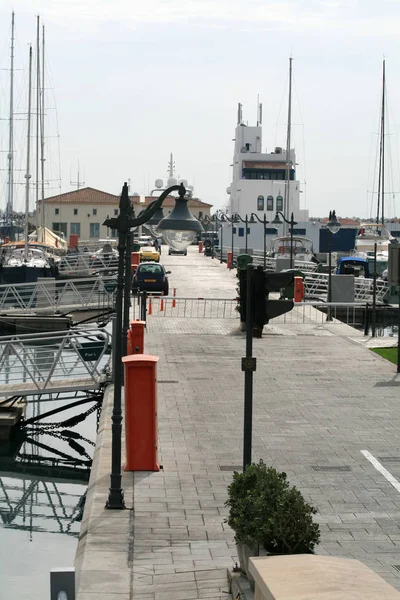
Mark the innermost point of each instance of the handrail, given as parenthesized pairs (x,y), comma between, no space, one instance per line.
(53,361)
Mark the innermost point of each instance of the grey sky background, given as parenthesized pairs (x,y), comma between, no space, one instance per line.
(135,80)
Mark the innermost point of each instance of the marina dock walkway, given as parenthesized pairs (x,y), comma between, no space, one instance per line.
(325,411)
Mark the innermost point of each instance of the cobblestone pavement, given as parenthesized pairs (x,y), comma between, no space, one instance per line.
(320,399)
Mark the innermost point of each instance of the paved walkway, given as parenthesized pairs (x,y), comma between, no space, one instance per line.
(325,409)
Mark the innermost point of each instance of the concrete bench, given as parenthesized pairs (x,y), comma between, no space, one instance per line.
(310,577)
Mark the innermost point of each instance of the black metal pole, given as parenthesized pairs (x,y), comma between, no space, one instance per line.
(127,290)
(116,494)
(398,338)
(265,241)
(221,259)
(373,327)
(329,317)
(246,233)
(248,366)
(291,240)
(231,267)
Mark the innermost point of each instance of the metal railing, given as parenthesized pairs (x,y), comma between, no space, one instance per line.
(303,313)
(86,264)
(316,286)
(50,295)
(53,362)
(194,308)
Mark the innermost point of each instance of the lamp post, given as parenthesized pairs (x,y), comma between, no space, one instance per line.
(292,223)
(246,222)
(264,222)
(333,227)
(179,230)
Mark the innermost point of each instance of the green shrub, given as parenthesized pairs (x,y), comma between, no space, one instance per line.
(264,510)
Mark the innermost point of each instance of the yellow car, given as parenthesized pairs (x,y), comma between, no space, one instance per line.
(149,253)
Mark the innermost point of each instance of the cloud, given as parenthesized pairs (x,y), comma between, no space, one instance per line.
(352,16)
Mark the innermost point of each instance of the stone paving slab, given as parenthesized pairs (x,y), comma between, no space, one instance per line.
(319,399)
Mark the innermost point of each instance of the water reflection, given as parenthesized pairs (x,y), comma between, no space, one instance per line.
(44,471)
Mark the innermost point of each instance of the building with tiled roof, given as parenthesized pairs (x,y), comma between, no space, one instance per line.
(82,212)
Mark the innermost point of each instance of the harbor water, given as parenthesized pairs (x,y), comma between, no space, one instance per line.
(44,472)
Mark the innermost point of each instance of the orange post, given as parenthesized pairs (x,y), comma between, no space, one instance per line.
(129,343)
(135,259)
(137,337)
(298,289)
(161,304)
(200,246)
(141,412)
(150,306)
(174,296)
(228,260)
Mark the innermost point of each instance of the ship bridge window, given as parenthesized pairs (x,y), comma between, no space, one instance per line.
(270,203)
(260,203)
(297,231)
(279,203)
(267,174)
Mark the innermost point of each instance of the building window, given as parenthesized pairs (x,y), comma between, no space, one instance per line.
(94,229)
(94,212)
(61,228)
(200,214)
(234,230)
(75,211)
(241,231)
(75,228)
(270,203)
(115,212)
(297,231)
(114,233)
(260,203)
(279,203)
(56,211)
(270,231)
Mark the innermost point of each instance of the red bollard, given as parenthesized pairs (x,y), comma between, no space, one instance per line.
(141,437)
(135,259)
(200,246)
(298,289)
(174,296)
(229,260)
(137,337)
(129,343)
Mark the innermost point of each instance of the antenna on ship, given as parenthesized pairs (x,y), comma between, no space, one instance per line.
(78,183)
(259,111)
(239,114)
(171,166)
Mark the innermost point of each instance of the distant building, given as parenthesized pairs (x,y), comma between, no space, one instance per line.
(258,178)
(82,212)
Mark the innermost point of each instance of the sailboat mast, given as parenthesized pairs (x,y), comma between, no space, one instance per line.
(28,150)
(288,142)
(42,159)
(10,157)
(37,121)
(383,141)
(381,171)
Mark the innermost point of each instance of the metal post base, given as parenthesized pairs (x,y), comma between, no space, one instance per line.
(115,500)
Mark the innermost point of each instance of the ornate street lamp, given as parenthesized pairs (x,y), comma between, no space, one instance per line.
(333,226)
(292,223)
(264,222)
(179,230)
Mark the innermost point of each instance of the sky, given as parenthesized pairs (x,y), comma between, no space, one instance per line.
(128,82)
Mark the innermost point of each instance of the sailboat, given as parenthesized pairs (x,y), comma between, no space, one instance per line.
(23,264)
(297,248)
(373,239)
